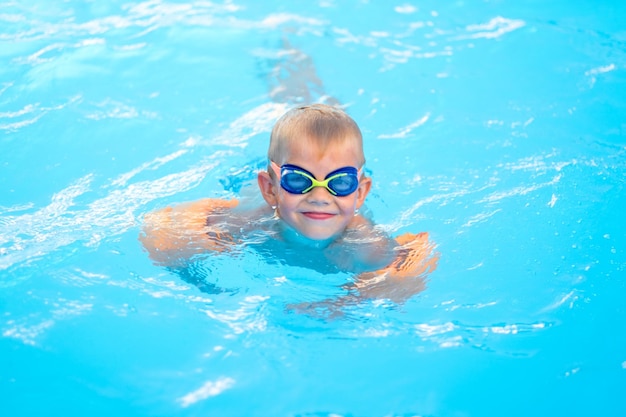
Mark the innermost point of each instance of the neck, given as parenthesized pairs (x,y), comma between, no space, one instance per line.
(291,235)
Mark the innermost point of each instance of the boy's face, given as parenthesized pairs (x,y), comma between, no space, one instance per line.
(318,214)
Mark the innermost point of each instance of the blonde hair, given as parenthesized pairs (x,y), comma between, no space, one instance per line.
(317,124)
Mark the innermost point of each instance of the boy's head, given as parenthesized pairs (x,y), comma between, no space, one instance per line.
(316,125)
(315,178)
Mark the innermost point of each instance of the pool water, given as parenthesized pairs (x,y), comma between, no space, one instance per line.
(497,126)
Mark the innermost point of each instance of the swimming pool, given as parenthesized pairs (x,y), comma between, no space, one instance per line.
(496,126)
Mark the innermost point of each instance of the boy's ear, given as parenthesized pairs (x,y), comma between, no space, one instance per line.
(268,191)
(364,188)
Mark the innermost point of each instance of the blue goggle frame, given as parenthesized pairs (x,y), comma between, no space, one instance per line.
(296,180)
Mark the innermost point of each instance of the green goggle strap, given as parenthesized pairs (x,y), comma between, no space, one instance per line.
(316,183)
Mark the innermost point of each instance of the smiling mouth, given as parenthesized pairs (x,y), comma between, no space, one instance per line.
(317,216)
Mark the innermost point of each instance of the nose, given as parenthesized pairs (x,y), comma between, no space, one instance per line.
(319,195)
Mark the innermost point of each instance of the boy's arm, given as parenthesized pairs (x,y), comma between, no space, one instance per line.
(174,234)
(399,281)
(362,248)
(404,277)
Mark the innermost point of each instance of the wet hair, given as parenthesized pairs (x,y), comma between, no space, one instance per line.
(320,125)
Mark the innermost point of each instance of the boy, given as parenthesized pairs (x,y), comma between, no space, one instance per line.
(314,185)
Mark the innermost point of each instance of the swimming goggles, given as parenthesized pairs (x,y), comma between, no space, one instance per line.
(295,180)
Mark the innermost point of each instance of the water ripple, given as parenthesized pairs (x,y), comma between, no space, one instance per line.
(60,223)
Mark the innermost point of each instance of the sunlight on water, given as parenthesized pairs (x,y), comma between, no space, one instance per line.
(496,127)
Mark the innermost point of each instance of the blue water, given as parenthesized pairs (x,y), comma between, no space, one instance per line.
(496,126)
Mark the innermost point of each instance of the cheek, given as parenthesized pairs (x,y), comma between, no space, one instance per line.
(287,201)
(348,205)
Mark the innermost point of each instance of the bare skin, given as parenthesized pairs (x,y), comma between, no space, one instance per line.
(317,221)
(173,235)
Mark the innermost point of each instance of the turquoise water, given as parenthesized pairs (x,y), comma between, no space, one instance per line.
(496,126)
